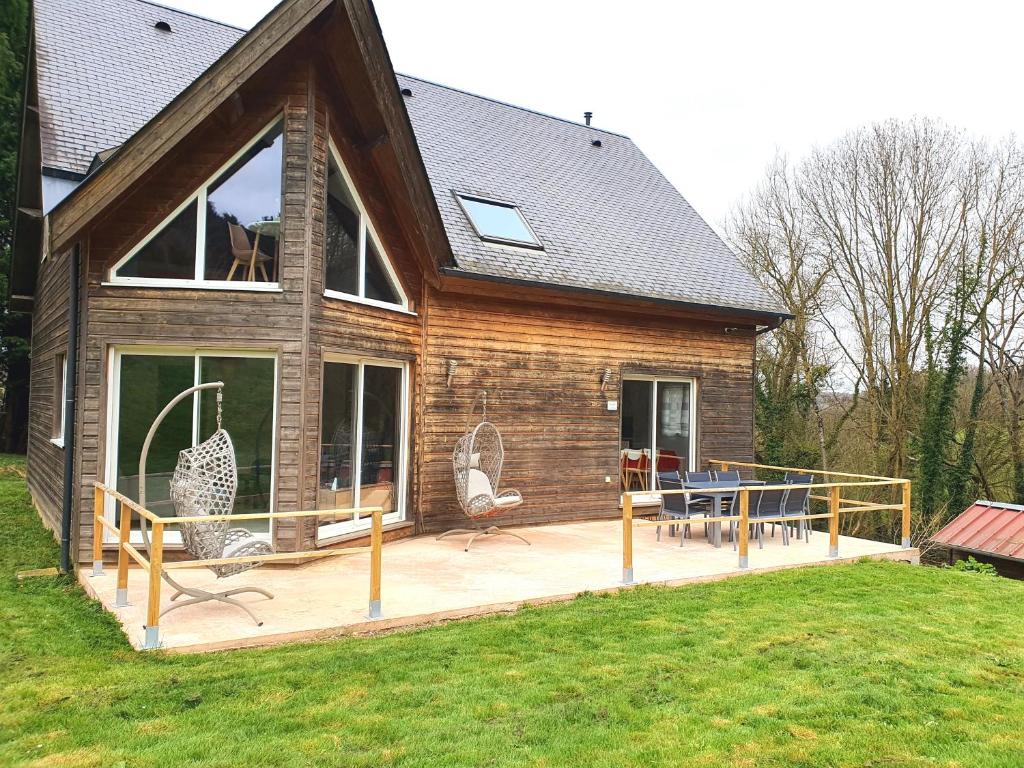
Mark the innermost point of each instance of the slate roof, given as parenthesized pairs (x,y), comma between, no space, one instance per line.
(607,218)
(104,70)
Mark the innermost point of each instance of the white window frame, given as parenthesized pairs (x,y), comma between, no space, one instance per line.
(173,534)
(366,228)
(533,245)
(58,439)
(654,497)
(333,530)
(199,198)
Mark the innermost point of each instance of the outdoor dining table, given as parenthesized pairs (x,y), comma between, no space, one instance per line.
(707,488)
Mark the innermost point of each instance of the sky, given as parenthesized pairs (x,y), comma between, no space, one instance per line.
(711,92)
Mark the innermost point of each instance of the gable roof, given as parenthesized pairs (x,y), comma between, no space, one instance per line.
(608,219)
(104,71)
(987,527)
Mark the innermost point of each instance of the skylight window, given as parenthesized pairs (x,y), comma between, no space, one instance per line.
(499,222)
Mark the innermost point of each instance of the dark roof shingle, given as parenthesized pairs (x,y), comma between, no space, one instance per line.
(608,219)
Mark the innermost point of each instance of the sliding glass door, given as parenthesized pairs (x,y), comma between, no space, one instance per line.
(144,381)
(657,429)
(363,442)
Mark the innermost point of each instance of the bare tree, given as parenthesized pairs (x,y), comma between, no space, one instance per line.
(770,234)
(889,214)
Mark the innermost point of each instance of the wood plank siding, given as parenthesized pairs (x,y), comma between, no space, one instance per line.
(541,366)
(50,319)
(120,315)
(539,353)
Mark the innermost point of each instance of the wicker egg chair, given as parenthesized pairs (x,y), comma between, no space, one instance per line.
(477,462)
(204,482)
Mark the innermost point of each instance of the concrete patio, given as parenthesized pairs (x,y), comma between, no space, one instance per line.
(427,581)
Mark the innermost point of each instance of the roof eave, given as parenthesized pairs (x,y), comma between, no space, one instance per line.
(757,317)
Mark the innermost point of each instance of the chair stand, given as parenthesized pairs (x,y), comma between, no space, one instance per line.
(491,530)
(201,596)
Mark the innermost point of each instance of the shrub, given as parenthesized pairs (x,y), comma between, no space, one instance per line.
(970,565)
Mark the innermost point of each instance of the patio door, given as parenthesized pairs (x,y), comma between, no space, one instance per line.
(657,429)
(363,444)
(143,381)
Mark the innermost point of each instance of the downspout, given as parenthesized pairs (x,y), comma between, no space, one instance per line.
(71,386)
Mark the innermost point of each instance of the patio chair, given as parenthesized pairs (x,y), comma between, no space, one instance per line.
(765,503)
(477,462)
(798,502)
(204,483)
(728,476)
(674,506)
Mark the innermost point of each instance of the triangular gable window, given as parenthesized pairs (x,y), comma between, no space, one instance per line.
(227,232)
(355,265)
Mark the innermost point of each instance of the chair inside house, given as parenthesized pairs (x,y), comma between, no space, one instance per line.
(667,460)
(766,504)
(204,483)
(246,255)
(635,468)
(477,462)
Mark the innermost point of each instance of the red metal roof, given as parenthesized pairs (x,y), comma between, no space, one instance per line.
(991,527)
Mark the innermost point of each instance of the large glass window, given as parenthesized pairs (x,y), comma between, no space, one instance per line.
(355,265)
(228,231)
(147,382)
(656,430)
(362,451)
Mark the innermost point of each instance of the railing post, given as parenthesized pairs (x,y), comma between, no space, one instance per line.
(124,532)
(98,499)
(744,531)
(627,538)
(376,536)
(906,515)
(156,563)
(833,521)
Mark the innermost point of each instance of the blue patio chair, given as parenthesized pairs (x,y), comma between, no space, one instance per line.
(763,504)
(674,506)
(798,502)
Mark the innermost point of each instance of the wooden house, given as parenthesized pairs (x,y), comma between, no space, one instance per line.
(357,255)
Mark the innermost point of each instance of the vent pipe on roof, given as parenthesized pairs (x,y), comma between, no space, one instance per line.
(587,116)
(163,26)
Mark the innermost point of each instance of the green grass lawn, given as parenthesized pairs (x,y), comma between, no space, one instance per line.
(874,664)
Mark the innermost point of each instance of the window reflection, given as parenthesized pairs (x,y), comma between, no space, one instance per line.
(243,215)
(149,382)
(354,263)
(241,238)
(171,254)
(341,249)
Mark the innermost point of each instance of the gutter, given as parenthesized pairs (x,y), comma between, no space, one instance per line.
(773,325)
(775,319)
(71,386)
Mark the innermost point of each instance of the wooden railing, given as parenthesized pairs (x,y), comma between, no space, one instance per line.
(837,506)
(155,567)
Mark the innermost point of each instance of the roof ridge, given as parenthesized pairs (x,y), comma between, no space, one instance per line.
(513,106)
(193,15)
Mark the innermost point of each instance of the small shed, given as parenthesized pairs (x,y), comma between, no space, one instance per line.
(990,532)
